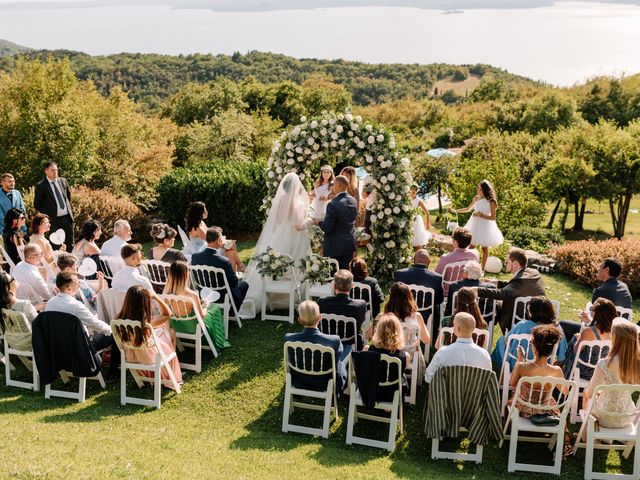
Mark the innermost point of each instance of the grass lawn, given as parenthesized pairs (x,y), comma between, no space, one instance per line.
(227,424)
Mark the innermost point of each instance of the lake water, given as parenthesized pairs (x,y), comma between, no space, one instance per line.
(562,44)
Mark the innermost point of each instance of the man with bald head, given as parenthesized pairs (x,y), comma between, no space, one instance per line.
(463,351)
(419,274)
(339,224)
(28,271)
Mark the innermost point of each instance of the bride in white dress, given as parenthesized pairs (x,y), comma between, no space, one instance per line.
(285,230)
(482,224)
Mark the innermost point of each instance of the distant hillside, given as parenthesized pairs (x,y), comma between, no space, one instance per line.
(10,48)
(150,78)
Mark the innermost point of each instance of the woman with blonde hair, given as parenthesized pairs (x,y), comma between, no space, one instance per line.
(321,193)
(177,281)
(622,366)
(389,338)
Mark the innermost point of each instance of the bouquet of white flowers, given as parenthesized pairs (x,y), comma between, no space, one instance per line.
(271,263)
(315,269)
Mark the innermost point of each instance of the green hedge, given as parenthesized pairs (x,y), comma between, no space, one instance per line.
(534,238)
(232,191)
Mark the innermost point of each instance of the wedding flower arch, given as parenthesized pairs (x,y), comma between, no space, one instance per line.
(344,136)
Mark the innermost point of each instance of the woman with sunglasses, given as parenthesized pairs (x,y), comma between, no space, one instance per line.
(13,237)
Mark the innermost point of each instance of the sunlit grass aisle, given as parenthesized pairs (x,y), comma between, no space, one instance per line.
(226,424)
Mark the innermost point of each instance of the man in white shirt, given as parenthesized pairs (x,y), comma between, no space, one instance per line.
(129,276)
(121,235)
(463,351)
(98,331)
(28,272)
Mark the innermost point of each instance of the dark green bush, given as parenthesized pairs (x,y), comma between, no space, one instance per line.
(534,238)
(232,191)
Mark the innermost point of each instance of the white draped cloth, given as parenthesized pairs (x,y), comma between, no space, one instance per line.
(289,210)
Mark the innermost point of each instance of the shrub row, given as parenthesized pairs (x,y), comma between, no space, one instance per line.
(100,205)
(232,191)
(534,238)
(581,260)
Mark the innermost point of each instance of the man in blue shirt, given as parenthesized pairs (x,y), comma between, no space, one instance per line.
(9,198)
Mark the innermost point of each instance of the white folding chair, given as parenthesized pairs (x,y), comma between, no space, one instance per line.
(425,298)
(411,337)
(362,291)
(133,329)
(109,266)
(391,369)
(626,313)
(283,286)
(81,394)
(597,349)
(520,310)
(183,309)
(313,360)
(545,394)
(156,271)
(7,258)
(510,354)
(17,341)
(602,437)
(488,312)
(214,278)
(324,289)
(452,273)
(479,336)
(344,327)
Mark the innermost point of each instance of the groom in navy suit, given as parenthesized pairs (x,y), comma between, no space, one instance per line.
(339,224)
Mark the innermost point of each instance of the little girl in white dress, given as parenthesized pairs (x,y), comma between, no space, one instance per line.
(482,224)
(320,194)
(421,234)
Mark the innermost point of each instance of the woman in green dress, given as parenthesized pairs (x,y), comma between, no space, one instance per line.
(212,317)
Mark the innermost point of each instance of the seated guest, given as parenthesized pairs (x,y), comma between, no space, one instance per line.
(99,332)
(309,317)
(211,257)
(358,267)
(461,252)
(612,289)
(402,304)
(67,262)
(129,276)
(466,302)
(419,274)
(622,366)
(471,275)
(341,304)
(545,338)
(463,351)
(40,225)
(389,339)
(164,237)
(8,300)
(526,282)
(603,312)
(177,284)
(138,306)
(13,233)
(87,247)
(541,312)
(197,232)
(121,236)
(28,272)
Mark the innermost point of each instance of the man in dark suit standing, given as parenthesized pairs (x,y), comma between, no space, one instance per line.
(53,198)
(339,224)
(341,304)
(526,282)
(309,317)
(212,258)
(612,288)
(419,274)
